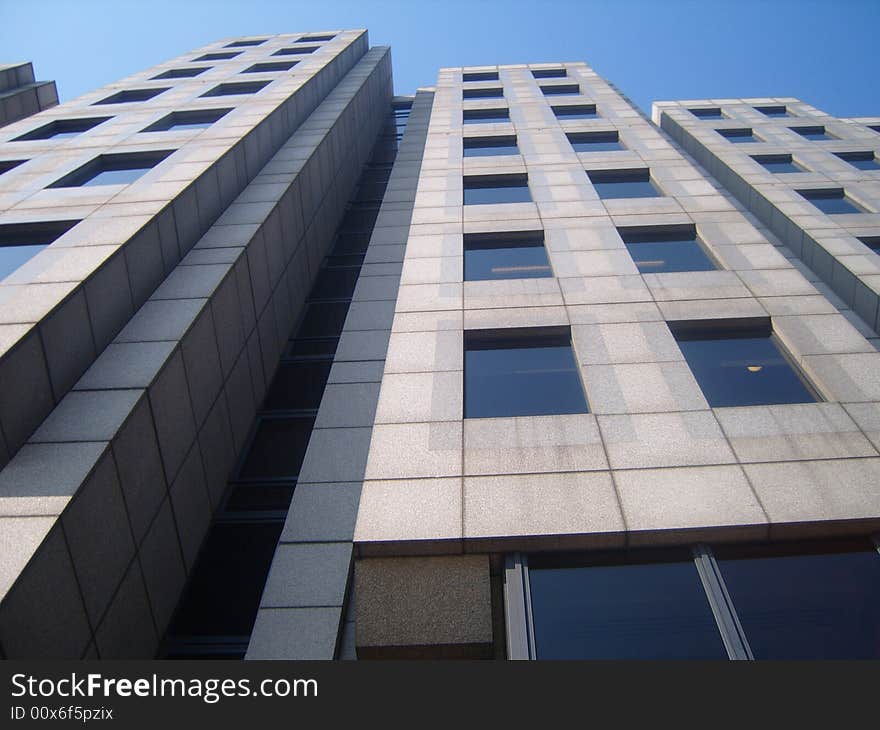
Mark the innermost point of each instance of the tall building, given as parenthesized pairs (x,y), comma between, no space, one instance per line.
(21,94)
(295,368)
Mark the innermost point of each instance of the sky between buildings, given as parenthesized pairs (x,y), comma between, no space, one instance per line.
(823,52)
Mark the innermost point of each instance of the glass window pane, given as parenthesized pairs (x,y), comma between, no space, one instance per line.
(514,255)
(832,203)
(323,319)
(527,375)
(738,135)
(743,371)
(708,113)
(819,604)
(659,251)
(297,385)
(335,283)
(259,498)
(485,116)
(224,590)
(638,610)
(278,448)
(595,142)
(489,191)
(580,111)
(778,164)
(11,257)
(117,177)
(624,184)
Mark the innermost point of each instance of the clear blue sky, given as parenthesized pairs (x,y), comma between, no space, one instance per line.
(824,52)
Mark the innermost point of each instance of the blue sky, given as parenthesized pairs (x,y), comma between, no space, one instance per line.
(825,53)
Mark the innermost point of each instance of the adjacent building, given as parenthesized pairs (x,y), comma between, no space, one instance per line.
(21,94)
(294,368)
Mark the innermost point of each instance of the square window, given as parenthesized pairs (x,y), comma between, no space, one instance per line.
(595,141)
(778,164)
(244,44)
(480,76)
(860,160)
(812,133)
(521,372)
(624,184)
(237,87)
(492,189)
(62,128)
(740,363)
(270,67)
(874,128)
(485,116)
(773,111)
(561,89)
(195,119)
(7,165)
(832,202)
(315,38)
(217,56)
(707,113)
(121,169)
(549,73)
(813,600)
(131,95)
(738,136)
(626,605)
(575,111)
(507,255)
(490,146)
(20,242)
(493,93)
(295,50)
(182,73)
(666,248)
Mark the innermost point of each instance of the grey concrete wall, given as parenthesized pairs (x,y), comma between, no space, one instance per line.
(109,500)
(84,287)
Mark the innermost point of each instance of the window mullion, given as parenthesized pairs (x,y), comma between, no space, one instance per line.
(729,626)
(517,608)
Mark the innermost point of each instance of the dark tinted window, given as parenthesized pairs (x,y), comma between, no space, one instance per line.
(335,283)
(295,50)
(182,73)
(778,163)
(485,116)
(62,128)
(496,189)
(521,373)
(872,242)
(218,56)
(549,73)
(119,169)
(350,243)
(595,141)
(666,249)
(7,165)
(738,135)
(482,93)
(575,111)
(519,255)
(315,38)
(323,319)
(259,498)
(297,385)
(196,119)
(487,146)
(225,587)
(740,366)
(707,113)
(480,76)
(772,111)
(860,160)
(270,67)
(560,89)
(814,133)
(131,95)
(624,184)
(621,610)
(277,450)
(832,202)
(233,88)
(241,44)
(817,601)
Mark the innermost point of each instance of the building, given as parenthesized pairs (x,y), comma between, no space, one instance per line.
(21,94)
(295,368)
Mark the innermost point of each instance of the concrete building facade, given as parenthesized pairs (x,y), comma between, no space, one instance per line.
(21,94)
(464,374)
